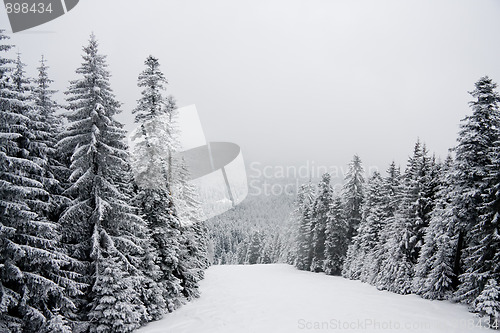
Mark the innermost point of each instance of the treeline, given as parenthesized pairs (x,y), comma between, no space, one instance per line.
(93,238)
(432,230)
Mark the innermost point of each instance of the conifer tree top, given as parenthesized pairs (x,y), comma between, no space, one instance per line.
(152,103)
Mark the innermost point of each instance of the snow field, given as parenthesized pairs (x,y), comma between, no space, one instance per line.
(278,298)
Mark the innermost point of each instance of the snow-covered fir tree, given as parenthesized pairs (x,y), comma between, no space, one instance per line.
(51,124)
(335,238)
(396,271)
(360,252)
(37,149)
(405,230)
(254,249)
(420,183)
(165,233)
(476,182)
(33,286)
(487,304)
(303,205)
(20,82)
(319,217)
(49,127)
(434,271)
(353,194)
(102,230)
(156,115)
(155,110)
(392,195)
(44,128)
(485,256)
(150,161)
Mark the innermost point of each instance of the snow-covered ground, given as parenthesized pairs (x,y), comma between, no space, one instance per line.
(279,298)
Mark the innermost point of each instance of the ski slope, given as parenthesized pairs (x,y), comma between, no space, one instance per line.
(279,298)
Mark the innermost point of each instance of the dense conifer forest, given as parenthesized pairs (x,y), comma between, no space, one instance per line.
(93,237)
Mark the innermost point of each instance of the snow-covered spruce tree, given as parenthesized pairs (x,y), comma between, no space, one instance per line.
(288,240)
(418,196)
(406,228)
(150,166)
(355,252)
(476,182)
(360,253)
(255,248)
(484,256)
(391,199)
(487,304)
(335,238)
(50,128)
(156,142)
(241,254)
(483,253)
(303,204)
(20,82)
(434,269)
(396,271)
(32,285)
(44,127)
(36,149)
(439,281)
(353,194)
(154,106)
(101,228)
(319,218)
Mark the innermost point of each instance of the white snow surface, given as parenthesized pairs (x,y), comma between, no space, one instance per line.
(278,298)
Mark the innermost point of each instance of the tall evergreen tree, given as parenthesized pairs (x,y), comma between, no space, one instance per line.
(20,82)
(32,285)
(405,230)
(49,127)
(36,149)
(151,171)
(391,193)
(101,228)
(43,129)
(360,252)
(335,238)
(476,182)
(303,205)
(353,194)
(154,105)
(434,269)
(412,212)
(319,217)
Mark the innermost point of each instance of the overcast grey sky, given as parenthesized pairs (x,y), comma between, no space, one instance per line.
(293,80)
